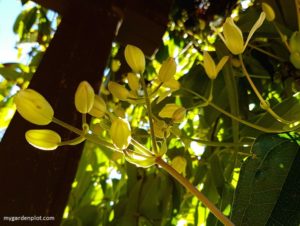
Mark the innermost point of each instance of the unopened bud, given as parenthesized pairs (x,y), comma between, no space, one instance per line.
(118,91)
(173,84)
(161,129)
(120,133)
(99,107)
(270,14)
(135,58)
(295,42)
(43,139)
(115,65)
(167,70)
(133,81)
(84,97)
(179,164)
(33,107)
(178,115)
(233,37)
(168,110)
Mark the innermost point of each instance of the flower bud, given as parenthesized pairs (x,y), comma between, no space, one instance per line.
(33,107)
(133,81)
(179,115)
(179,164)
(211,69)
(120,133)
(295,59)
(43,139)
(173,84)
(118,91)
(84,97)
(233,36)
(99,107)
(167,70)
(209,65)
(138,159)
(168,110)
(270,14)
(115,65)
(295,42)
(161,129)
(135,58)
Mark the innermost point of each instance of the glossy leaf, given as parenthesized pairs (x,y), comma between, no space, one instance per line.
(262,178)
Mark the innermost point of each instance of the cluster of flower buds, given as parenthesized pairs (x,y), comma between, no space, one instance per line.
(33,107)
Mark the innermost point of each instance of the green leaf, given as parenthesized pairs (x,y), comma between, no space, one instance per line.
(262,178)
(287,209)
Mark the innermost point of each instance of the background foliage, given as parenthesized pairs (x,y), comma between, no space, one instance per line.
(210,149)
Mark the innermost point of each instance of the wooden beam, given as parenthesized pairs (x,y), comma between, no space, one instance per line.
(34,182)
(144,22)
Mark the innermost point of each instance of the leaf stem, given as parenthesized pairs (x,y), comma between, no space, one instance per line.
(183,181)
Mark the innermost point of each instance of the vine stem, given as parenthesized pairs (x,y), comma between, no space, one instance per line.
(282,36)
(183,181)
(148,105)
(261,99)
(260,128)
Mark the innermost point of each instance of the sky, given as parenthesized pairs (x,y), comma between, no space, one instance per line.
(9,10)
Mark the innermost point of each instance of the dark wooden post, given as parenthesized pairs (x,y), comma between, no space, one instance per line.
(34,182)
(37,183)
